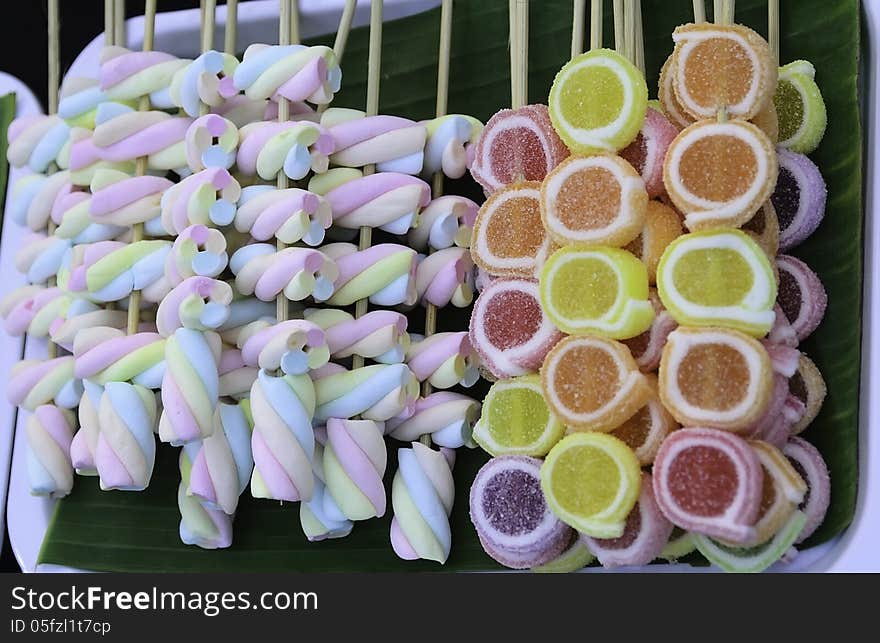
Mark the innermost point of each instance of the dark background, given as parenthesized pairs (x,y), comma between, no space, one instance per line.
(23,53)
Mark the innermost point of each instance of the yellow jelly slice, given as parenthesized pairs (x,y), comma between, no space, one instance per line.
(598,102)
(591,482)
(718,278)
(516,420)
(800,107)
(602,291)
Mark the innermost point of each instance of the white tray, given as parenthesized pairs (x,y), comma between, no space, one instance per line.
(177,33)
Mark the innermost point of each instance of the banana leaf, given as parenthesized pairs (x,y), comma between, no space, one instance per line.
(7,113)
(138,532)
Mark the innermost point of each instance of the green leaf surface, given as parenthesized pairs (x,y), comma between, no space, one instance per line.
(7,113)
(138,532)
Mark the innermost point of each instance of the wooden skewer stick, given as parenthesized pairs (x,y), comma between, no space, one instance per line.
(374,71)
(699,11)
(519,53)
(109,13)
(208,20)
(119,36)
(619,30)
(629,31)
(718,11)
(577,26)
(54,77)
(285,34)
(230,31)
(596,24)
(137,231)
(341,37)
(639,36)
(773,28)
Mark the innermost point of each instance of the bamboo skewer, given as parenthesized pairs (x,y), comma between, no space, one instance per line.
(596,24)
(119,35)
(619,28)
(54,77)
(209,11)
(577,26)
(437,187)
(374,68)
(639,56)
(230,30)
(344,28)
(137,231)
(773,28)
(699,11)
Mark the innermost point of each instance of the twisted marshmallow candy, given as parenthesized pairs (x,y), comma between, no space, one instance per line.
(444,360)
(289,215)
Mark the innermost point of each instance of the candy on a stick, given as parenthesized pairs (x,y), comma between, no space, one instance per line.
(718,278)
(85,440)
(752,559)
(800,107)
(376,392)
(83,158)
(123,201)
(72,212)
(719,174)
(444,222)
(647,347)
(808,462)
(767,121)
(783,491)
(32,309)
(211,141)
(294,346)
(33,198)
(509,238)
(709,481)
(807,386)
(446,277)
(201,82)
(379,335)
(316,523)
(126,449)
(680,544)
(510,330)
(648,151)
(422,494)
(391,143)
(672,109)
(446,416)
(662,226)
(123,134)
(516,419)
(597,200)
(384,274)
(283,441)
(576,557)
(295,72)
(513,520)
(717,67)
(289,216)
(35,141)
(646,429)
(354,463)
(450,145)
(646,532)
(190,387)
(265,272)
(236,377)
(801,295)
(763,228)
(127,75)
(80,315)
(197,251)
(200,303)
(246,314)
(49,431)
(591,481)
(37,382)
(598,290)
(111,270)
(517,145)
(799,198)
(78,100)
(39,257)
(223,462)
(109,355)
(268,148)
(598,102)
(207,198)
(444,359)
(584,402)
(200,525)
(715,377)
(387,200)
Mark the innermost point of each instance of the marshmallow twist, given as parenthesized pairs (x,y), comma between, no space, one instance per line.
(446,277)
(379,335)
(268,148)
(290,215)
(445,222)
(262,271)
(376,392)
(295,72)
(354,463)
(126,449)
(49,431)
(446,416)
(206,198)
(384,274)
(444,360)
